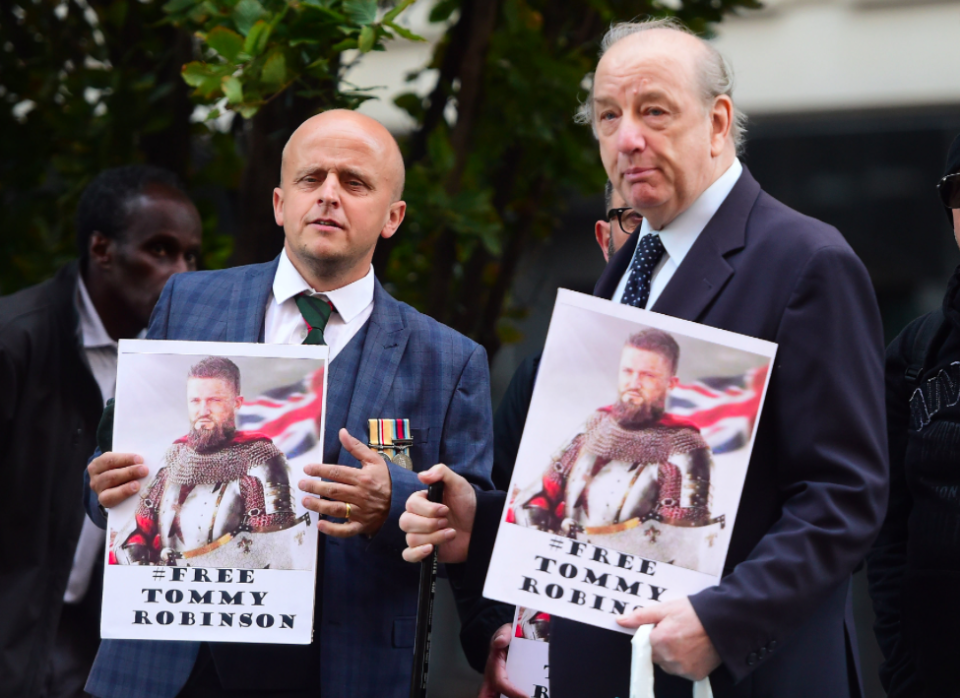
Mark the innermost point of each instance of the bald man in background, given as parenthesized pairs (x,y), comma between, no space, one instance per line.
(340,191)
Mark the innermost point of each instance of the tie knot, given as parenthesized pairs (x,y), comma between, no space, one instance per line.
(315,311)
(651,245)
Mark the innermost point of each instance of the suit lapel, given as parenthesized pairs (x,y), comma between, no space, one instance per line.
(248,303)
(383,348)
(705,271)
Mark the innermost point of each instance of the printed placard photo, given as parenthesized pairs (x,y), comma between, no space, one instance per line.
(528,657)
(216,545)
(632,462)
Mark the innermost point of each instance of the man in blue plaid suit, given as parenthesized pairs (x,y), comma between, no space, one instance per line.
(340,190)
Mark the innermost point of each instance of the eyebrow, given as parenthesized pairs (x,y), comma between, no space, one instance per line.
(653,94)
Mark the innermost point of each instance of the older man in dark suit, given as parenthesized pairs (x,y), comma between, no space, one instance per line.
(715,249)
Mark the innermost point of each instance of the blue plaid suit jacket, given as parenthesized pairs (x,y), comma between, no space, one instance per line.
(410,367)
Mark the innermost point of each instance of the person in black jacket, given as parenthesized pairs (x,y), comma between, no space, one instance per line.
(485,623)
(58,353)
(914,566)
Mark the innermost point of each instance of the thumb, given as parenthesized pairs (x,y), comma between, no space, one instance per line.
(436,474)
(642,616)
(502,637)
(358,449)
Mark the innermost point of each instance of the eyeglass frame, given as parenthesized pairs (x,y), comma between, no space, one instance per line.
(954,180)
(618,212)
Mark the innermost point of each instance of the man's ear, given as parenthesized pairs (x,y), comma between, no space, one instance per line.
(674,382)
(101,249)
(602,230)
(278,206)
(398,209)
(239,402)
(721,120)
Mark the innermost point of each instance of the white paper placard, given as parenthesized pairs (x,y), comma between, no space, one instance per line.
(594,525)
(216,546)
(528,656)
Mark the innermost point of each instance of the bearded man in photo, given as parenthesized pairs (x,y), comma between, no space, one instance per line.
(632,462)
(216,482)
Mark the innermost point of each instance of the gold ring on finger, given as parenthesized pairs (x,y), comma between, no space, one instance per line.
(347,516)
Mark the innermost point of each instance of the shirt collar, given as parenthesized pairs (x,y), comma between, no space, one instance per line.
(349,301)
(91,326)
(679,235)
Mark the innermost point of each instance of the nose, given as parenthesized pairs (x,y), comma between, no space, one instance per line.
(181,265)
(630,135)
(329,191)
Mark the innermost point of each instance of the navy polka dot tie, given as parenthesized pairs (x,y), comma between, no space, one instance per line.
(649,253)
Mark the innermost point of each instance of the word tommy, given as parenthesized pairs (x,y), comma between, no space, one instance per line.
(583,574)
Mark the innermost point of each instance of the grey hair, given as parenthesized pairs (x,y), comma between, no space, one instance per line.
(715,73)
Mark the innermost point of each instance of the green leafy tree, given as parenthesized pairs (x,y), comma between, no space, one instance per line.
(482,187)
(82,87)
(91,84)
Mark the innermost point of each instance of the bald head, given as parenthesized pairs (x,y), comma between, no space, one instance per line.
(340,185)
(340,125)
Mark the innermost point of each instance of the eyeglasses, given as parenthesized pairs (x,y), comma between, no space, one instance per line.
(949,188)
(628,219)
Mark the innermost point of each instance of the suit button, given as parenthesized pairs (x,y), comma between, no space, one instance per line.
(772,645)
(762,652)
(752,658)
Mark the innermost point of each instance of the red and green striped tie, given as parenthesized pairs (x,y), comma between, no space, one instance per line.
(315,312)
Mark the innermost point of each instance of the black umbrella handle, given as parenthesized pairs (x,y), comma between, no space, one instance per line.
(428,589)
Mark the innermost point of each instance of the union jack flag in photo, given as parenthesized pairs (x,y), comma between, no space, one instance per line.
(288,415)
(724,408)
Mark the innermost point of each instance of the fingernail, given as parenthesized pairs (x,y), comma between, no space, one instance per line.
(143,471)
(138,459)
(449,533)
(134,486)
(442,523)
(443,510)
(302,484)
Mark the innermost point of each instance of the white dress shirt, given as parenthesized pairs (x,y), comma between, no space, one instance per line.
(679,235)
(284,324)
(101,353)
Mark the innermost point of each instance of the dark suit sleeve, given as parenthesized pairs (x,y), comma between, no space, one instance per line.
(509,420)
(465,446)
(479,617)
(827,408)
(887,560)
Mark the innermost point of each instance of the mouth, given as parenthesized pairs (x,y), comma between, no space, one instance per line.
(636,174)
(203,424)
(327,223)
